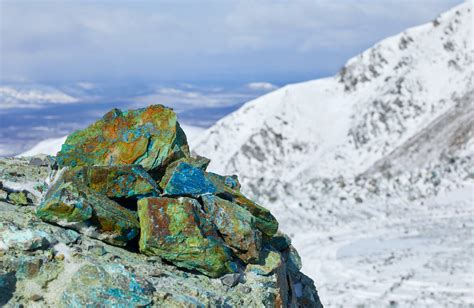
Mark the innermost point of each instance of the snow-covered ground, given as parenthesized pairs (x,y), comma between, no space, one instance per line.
(387,251)
(388,257)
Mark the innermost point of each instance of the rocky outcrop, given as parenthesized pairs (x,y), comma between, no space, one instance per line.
(152,229)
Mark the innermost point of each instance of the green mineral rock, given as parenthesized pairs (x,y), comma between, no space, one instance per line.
(117,181)
(74,205)
(229,188)
(237,227)
(173,229)
(265,221)
(150,137)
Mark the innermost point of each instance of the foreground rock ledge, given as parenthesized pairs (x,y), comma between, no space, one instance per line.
(153,230)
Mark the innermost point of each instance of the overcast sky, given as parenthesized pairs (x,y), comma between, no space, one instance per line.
(195,41)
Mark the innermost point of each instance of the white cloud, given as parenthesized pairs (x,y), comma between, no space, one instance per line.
(183,99)
(86,85)
(32,98)
(261,86)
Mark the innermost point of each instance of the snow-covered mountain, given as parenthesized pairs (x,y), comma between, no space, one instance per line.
(345,123)
(371,170)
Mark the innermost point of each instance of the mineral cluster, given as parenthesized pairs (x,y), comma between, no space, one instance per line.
(130,177)
(129,182)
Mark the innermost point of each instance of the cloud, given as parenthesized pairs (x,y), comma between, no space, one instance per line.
(56,41)
(86,85)
(182,99)
(32,98)
(261,86)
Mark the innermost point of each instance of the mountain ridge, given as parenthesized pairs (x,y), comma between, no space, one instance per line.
(371,170)
(324,118)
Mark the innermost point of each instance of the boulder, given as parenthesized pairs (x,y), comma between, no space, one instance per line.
(184,179)
(119,181)
(136,164)
(175,230)
(236,226)
(74,205)
(280,241)
(264,220)
(228,187)
(150,137)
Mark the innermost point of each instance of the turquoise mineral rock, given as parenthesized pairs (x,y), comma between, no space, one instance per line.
(236,225)
(228,187)
(74,205)
(183,179)
(119,181)
(173,230)
(150,137)
(131,174)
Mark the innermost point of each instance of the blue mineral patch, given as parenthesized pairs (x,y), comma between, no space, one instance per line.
(188,180)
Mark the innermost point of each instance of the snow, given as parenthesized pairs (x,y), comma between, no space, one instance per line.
(48,147)
(370,171)
(63,249)
(344,124)
(193,133)
(421,258)
(53,146)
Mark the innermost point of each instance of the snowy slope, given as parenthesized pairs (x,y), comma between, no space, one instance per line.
(344,124)
(53,145)
(371,171)
(48,146)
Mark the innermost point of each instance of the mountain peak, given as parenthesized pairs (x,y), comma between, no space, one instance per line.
(344,124)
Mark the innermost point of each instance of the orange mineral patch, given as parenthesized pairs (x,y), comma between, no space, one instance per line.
(129,152)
